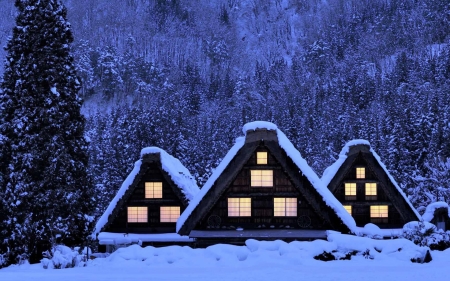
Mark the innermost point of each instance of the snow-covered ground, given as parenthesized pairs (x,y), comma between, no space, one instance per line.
(387,260)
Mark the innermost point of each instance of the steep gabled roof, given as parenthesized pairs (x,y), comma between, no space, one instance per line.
(238,155)
(179,178)
(333,175)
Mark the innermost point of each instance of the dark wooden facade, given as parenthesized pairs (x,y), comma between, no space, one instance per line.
(212,212)
(150,171)
(387,194)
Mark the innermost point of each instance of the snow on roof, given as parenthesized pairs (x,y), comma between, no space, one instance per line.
(331,171)
(178,173)
(429,212)
(109,238)
(326,194)
(258,125)
(296,157)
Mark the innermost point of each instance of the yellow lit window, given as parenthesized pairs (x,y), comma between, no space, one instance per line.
(379,211)
(360,173)
(350,189)
(261,158)
(169,214)
(261,177)
(371,188)
(348,208)
(239,207)
(137,214)
(285,207)
(153,190)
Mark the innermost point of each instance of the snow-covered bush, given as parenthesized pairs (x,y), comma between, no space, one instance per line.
(425,234)
(61,256)
(2,260)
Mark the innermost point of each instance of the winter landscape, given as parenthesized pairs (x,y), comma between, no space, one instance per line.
(224,139)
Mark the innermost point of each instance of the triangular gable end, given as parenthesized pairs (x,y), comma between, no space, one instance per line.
(289,181)
(362,183)
(171,172)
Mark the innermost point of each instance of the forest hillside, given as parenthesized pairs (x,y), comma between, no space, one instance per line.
(185,75)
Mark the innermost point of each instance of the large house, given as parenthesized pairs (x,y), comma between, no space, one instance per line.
(263,189)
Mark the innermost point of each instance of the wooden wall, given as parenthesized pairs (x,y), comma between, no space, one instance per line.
(262,204)
(361,206)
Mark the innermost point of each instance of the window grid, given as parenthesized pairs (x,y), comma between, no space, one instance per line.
(380,211)
(239,207)
(262,178)
(360,173)
(350,189)
(137,214)
(371,188)
(348,208)
(261,158)
(169,214)
(285,207)
(153,190)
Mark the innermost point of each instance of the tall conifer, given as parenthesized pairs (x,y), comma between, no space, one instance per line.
(44,188)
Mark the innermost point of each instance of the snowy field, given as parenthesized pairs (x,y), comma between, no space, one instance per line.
(256,261)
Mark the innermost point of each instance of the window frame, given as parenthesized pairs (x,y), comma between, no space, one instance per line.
(360,172)
(351,196)
(258,180)
(240,208)
(149,191)
(286,209)
(383,217)
(171,218)
(137,217)
(368,191)
(349,209)
(262,160)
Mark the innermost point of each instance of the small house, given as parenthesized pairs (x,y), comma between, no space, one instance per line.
(438,213)
(366,189)
(149,202)
(263,189)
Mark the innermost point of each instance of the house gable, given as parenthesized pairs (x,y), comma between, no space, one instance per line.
(373,195)
(211,210)
(170,187)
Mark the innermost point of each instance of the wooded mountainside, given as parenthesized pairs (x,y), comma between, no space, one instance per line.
(185,75)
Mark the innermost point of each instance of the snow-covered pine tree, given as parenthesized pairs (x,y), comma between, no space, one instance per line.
(45,188)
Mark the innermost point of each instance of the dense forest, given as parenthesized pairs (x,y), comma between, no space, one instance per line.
(185,75)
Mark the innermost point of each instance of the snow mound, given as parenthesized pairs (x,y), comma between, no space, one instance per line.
(268,252)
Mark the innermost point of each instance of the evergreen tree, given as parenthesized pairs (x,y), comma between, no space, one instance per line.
(45,188)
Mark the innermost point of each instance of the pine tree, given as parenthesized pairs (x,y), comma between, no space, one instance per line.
(45,188)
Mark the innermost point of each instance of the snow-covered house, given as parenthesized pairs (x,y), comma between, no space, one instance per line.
(263,189)
(149,202)
(366,189)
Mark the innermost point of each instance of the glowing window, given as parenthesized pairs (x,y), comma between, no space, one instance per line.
(350,189)
(360,173)
(371,189)
(285,207)
(379,211)
(261,158)
(153,190)
(261,178)
(348,208)
(169,214)
(239,207)
(137,214)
